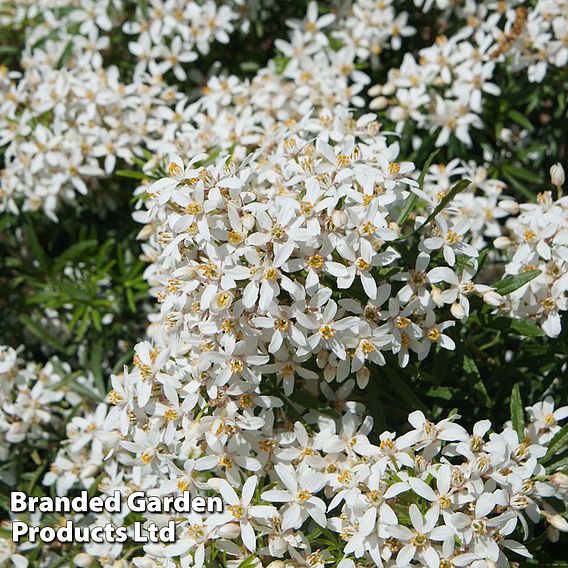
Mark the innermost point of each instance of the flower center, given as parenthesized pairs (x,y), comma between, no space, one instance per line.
(327,332)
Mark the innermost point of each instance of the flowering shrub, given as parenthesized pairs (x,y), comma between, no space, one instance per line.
(352,262)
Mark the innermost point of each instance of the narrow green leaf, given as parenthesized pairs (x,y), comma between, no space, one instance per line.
(132,174)
(65,55)
(556,466)
(41,333)
(248,562)
(517,412)
(74,291)
(521,119)
(130,300)
(515,281)
(558,443)
(516,184)
(403,390)
(441,392)
(71,382)
(143,4)
(96,319)
(522,173)
(458,188)
(463,262)
(36,248)
(526,328)
(413,198)
(472,373)
(74,252)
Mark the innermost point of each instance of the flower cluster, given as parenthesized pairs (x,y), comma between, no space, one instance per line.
(169,34)
(62,130)
(36,404)
(444,88)
(297,256)
(46,406)
(537,239)
(371,27)
(66,119)
(435,496)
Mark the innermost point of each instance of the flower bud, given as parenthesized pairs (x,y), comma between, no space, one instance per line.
(557,521)
(509,205)
(375,90)
(339,218)
(379,103)
(458,311)
(493,298)
(557,174)
(230,531)
(559,480)
(501,243)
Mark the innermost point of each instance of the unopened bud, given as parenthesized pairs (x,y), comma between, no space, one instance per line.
(557,521)
(230,531)
(557,175)
(559,480)
(501,243)
(375,90)
(339,218)
(509,205)
(493,298)
(379,103)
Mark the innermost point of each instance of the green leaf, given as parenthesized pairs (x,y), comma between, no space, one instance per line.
(143,4)
(131,174)
(458,188)
(71,382)
(517,412)
(558,443)
(521,119)
(75,252)
(514,282)
(96,319)
(65,55)
(516,184)
(248,562)
(413,199)
(74,291)
(403,390)
(525,328)
(472,373)
(522,173)
(36,248)
(464,262)
(41,333)
(441,392)
(556,466)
